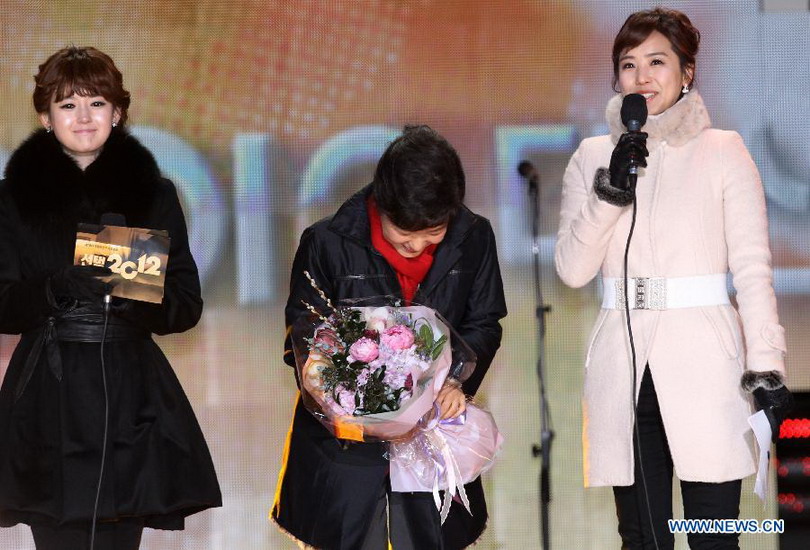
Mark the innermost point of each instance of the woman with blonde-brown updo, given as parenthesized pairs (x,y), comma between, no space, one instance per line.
(675,397)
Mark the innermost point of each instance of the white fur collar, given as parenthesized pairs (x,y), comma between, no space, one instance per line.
(677,125)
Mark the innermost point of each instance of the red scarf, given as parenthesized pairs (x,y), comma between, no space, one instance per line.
(410,271)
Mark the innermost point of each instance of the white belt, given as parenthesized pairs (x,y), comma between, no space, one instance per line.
(666,292)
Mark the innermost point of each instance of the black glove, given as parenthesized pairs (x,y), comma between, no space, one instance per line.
(776,404)
(632,147)
(611,185)
(80,282)
(770,395)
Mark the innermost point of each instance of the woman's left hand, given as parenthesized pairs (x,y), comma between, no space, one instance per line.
(452,401)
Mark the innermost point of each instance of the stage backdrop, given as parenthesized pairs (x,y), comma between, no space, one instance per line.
(268,113)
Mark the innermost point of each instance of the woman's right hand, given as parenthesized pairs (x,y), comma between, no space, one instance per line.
(631,148)
(80,282)
(451,401)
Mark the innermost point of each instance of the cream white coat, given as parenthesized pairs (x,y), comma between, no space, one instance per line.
(701,211)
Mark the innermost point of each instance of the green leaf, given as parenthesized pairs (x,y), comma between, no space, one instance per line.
(437,347)
(426,334)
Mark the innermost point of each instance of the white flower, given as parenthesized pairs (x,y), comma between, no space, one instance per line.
(379,319)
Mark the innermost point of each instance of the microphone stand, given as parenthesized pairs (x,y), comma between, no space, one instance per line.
(543,450)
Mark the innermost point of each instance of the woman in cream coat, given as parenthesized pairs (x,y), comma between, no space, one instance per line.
(700,214)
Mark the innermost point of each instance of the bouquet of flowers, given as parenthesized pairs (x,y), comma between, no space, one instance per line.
(372,373)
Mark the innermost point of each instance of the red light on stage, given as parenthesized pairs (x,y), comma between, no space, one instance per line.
(792,465)
(786,498)
(795,428)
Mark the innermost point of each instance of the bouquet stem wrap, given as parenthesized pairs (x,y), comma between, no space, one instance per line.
(446,454)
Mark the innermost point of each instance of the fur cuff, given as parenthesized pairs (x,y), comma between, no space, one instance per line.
(608,193)
(769,379)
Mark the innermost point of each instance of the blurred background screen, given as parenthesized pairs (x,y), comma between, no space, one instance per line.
(267,114)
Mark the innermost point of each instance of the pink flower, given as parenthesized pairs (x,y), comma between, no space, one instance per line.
(327,341)
(397,337)
(395,379)
(362,377)
(346,400)
(364,350)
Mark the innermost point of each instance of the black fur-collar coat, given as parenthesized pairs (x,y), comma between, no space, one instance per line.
(49,187)
(159,467)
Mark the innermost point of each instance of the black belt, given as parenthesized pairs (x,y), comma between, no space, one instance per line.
(74,326)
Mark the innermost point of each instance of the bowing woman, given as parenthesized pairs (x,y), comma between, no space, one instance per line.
(700,214)
(56,394)
(409,235)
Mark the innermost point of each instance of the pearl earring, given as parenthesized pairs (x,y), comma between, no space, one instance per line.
(115,124)
(685,89)
(48,129)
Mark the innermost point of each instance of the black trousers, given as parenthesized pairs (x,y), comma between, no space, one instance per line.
(110,535)
(409,520)
(700,500)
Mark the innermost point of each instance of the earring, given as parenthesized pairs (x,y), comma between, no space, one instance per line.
(685,89)
(115,124)
(48,129)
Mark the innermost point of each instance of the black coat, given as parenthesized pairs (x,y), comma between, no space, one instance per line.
(328,492)
(158,465)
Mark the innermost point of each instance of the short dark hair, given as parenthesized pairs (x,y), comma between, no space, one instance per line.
(673,24)
(85,71)
(419,181)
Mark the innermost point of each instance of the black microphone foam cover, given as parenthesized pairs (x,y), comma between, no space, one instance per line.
(526,168)
(634,112)
(113,218)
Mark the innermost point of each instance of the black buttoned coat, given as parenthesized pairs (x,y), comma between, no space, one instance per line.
(328,490)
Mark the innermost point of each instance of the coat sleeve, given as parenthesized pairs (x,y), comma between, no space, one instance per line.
(586,225)
(480,327)
(23,300)
(749,257)
(307,259)
(182,304)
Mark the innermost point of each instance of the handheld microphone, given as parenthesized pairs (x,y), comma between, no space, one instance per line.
(118,220)
(107,218)
(528,171)
(634,116)
(113,218)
